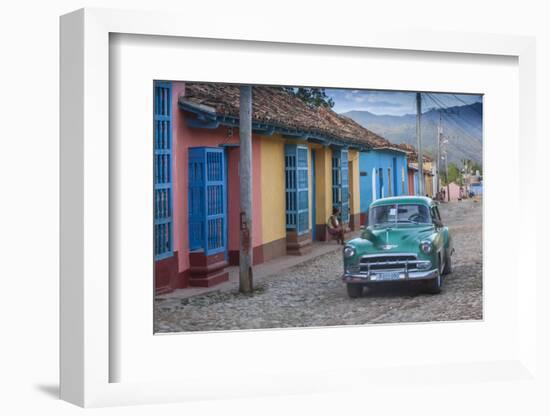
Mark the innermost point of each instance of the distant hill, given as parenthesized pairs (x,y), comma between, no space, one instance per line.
(462,126)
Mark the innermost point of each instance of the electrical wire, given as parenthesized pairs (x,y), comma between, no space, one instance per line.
(442,106)
(465,103)
(439,104)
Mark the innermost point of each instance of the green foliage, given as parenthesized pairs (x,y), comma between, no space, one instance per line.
(453,175)
(315,97)
(477,167)
(471,167)
(456,174)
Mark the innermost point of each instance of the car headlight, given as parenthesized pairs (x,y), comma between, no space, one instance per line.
(349,251)
(426,246)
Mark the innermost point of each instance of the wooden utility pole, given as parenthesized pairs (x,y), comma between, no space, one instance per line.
(437,166)
(245,173)
(447,178)
(419,144)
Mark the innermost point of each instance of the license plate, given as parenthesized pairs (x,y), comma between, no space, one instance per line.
(387,276)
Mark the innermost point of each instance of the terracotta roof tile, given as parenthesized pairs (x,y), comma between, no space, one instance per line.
(276,106)
(413,154)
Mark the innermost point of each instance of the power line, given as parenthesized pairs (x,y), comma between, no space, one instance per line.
(456,125)
(441,104)
(445,113)
(449,119)
(469,105)
(464,102)
(459,127)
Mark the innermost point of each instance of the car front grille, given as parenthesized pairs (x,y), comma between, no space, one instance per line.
(388,262)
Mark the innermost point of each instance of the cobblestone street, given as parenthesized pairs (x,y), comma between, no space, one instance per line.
(312,293)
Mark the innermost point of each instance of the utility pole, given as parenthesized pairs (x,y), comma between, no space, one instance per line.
(437,166)
(245,172)
(447,177)
(419,144)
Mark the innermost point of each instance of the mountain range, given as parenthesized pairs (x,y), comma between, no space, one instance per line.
(462,128)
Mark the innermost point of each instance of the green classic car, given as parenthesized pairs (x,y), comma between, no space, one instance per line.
(405,240)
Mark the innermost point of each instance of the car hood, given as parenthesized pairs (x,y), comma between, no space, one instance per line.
(397,238)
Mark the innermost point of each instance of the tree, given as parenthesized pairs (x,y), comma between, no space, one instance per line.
(453,174)
(477,167)
(471,167)
(315,97)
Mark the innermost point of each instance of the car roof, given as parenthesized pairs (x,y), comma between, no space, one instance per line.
(407,199)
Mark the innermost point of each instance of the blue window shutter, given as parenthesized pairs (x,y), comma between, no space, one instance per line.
(344,169)
(381,183)
(302,189)
(207,200)
(340,183)
(290,186)
(395,177)
(196,198)
(297,188)
(336,180)
(215,201)
(163,234)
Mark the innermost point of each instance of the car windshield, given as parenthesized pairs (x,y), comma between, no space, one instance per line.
(399,214)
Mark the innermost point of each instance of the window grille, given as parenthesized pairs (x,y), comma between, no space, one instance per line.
(380,183)
(390,190)
(340,183)
(402,180)
(297,188)
(207,200)
(163,231)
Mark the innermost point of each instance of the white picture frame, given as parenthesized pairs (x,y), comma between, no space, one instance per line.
(86,290)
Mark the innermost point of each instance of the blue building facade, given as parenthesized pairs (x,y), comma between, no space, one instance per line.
(382,173)
(476,188)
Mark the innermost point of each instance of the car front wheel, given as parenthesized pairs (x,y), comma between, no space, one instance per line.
(448,268)
(354,290)
(434,286)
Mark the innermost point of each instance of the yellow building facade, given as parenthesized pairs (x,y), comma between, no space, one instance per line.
(320,186)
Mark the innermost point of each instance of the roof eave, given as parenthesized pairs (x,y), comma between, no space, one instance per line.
(391,149)
(207,117)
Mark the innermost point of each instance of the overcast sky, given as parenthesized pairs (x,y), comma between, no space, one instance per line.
(393,102)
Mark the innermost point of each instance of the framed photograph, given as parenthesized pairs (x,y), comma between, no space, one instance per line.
(284,213)
(335,209)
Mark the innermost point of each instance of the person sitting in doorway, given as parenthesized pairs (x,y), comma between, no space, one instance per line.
(334,226)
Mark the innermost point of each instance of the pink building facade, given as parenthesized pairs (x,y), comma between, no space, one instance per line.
(183,269)
(454,191)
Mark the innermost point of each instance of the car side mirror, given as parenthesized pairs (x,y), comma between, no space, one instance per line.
(438,223)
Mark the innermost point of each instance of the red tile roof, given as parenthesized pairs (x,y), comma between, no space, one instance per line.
(413,154)
(279,107)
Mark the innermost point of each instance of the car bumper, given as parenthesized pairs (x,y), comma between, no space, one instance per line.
(403,277)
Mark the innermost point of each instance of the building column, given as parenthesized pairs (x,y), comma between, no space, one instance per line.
(355,200)
(323,166)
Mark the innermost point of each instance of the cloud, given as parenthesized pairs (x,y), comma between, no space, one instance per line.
(391,102)
(386,104)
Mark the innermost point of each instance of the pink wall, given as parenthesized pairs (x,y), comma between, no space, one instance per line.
(454,191)
(234,193)
(182,138)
